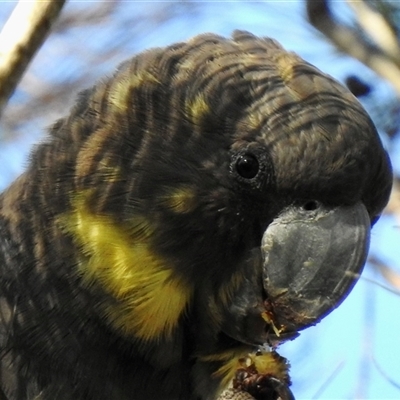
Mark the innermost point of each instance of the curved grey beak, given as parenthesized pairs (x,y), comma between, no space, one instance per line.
(311,261)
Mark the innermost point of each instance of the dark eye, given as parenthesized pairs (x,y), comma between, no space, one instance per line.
(247,166)
(310,205)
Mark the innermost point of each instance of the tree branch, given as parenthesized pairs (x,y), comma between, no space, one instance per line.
(22,35)
(352,42)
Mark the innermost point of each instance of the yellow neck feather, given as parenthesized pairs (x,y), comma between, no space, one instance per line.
(150,296)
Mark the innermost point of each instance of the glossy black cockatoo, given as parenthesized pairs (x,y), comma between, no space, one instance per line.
(210,197)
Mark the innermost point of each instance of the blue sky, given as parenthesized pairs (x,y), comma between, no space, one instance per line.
(337,358)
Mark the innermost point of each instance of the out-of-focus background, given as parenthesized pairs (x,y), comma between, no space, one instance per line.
(354,353)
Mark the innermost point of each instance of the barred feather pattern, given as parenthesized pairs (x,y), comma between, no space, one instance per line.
(154,143)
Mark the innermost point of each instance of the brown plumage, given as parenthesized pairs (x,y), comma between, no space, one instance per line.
(130,249)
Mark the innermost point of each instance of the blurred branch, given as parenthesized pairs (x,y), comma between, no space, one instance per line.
(391,276)
(374,281)
(353,42)
(393,207)
(22,35)
(394,203)
(375,25)
(385,374)
(53,92)
(329,379)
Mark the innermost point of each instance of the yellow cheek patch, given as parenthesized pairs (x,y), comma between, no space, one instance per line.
(197,109)
(149,297)
(181,200)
